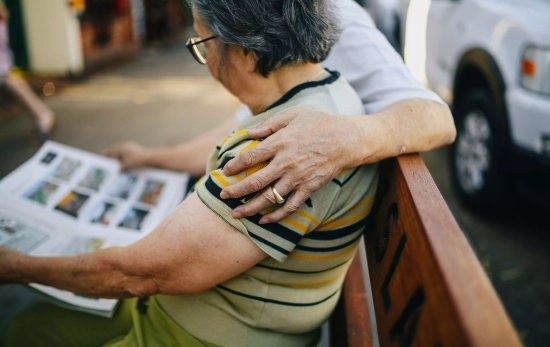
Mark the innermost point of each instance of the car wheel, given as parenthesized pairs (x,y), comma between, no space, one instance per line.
(477,160)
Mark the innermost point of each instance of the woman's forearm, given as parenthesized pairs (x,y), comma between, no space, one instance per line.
(191,156)
(408,126)
(306,149)
(105,273)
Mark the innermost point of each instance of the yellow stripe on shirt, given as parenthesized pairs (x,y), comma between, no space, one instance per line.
(303,227)
(220,179)
(324,257)
(237,134)
(345,221)
(307,216)
(315,284)
(358,205)
(295,224)
(251,145)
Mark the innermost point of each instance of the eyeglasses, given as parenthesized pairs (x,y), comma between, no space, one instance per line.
(197,48)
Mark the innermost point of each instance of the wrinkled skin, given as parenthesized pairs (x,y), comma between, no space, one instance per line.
(303,158)
(8,258)
(307,149)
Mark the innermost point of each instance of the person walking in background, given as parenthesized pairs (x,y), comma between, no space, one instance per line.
(43,116)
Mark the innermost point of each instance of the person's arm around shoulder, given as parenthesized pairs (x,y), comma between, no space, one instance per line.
(191,251)
(307,149)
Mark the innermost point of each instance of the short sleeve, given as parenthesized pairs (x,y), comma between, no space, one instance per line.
(278,240)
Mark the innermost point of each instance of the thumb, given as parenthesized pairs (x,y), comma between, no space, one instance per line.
(272,124)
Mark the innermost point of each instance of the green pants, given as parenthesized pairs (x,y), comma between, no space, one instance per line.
(136,323)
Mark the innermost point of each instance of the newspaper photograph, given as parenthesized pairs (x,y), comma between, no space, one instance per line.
(65,202)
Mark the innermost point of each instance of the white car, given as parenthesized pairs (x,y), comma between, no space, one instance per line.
(489,59)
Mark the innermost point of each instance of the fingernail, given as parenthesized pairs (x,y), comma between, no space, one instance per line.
(223,195)
(237,215)
(264,220)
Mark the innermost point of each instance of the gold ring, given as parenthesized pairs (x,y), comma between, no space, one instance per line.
(278,196)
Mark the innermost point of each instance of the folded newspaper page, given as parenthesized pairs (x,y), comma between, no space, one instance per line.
(65,201)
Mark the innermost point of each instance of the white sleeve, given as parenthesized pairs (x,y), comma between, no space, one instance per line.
(370,64)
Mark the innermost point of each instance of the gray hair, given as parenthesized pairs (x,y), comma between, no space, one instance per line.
(277,32)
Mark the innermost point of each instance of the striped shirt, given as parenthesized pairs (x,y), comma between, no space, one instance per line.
(283,300)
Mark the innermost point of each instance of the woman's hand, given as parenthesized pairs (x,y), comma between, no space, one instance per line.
(305,149)
(8,260)
(130,154)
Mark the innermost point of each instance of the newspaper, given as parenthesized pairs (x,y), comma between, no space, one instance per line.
(65,201)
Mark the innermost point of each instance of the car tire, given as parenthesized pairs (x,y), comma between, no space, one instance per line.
(478,155)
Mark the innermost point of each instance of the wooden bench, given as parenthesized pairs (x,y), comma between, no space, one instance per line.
(428,287)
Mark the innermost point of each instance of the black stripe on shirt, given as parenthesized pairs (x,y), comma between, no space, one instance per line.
(224,162)
(299,272)
(341,184)
(328,249)
(285,303)
(230,148)
(290,94)
(274,228)
(268,243)
(337,233)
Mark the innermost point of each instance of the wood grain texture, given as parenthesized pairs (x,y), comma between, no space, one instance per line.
(350,322)
(427,284)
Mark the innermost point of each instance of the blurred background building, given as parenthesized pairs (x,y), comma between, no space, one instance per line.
(70,37)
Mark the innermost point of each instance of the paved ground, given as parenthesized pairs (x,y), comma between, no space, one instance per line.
(163,97)
(514,248)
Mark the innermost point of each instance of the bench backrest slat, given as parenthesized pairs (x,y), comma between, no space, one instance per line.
(427,284)
(352,329)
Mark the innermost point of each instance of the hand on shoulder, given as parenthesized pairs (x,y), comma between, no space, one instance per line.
(306,149)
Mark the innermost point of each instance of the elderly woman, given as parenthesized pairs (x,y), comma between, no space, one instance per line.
(202,277)
(307,148)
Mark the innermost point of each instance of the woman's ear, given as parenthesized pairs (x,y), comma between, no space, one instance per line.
(250,60)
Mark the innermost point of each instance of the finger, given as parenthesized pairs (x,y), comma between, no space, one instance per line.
(272,124)
(118,156)
(292,205)
(113,151)
(263,200)
(108,152)
(253,183)
(258,154)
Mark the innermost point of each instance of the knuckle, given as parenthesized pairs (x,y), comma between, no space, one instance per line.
(268,195)
(315,183)
(246,210)
(267,122)
(256,183)
(249,158)
(291,207)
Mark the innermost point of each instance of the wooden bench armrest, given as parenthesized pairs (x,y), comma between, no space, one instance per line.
(427,284)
